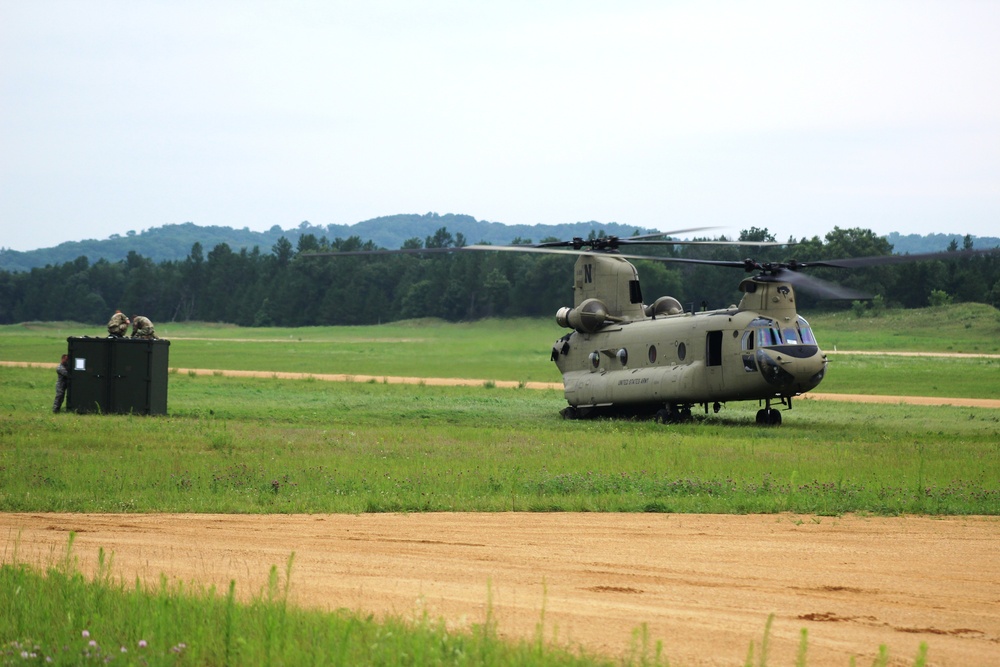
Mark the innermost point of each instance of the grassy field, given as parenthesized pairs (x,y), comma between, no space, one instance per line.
(491,349)
(269,445)
(272,446)
(518,350)
(962,328)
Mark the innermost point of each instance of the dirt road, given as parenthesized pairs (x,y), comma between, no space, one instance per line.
(510,384)
(704,585)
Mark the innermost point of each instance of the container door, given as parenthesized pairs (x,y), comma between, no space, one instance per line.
(88,375)
(130,377)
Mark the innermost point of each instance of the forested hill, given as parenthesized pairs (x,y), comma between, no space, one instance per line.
(173,242)
(912,244)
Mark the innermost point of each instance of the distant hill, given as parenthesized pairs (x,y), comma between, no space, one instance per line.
(173,242)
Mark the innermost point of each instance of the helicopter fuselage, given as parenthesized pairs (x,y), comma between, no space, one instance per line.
(668,362)
(688,359)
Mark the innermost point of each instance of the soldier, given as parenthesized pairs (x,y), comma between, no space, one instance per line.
(62,382)
(142,327)
(118,325)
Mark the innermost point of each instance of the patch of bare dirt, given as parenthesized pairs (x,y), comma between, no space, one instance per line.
(703,584)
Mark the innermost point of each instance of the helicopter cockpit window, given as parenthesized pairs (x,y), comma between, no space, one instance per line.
(768,336)
(768,333)
(806,332)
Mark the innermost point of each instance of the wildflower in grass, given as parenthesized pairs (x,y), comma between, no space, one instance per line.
(142,643)
(86,633)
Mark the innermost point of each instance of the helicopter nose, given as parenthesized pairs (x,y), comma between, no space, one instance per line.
(792,367)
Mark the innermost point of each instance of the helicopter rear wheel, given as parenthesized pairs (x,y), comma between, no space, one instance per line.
(673,414)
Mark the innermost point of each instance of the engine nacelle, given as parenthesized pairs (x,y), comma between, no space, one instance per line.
(588,317)
(665,305)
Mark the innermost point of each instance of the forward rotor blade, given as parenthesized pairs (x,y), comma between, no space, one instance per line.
(855,262)
(820,288)
(755,244)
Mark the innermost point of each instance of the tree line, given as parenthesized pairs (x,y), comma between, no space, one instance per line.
(291,286)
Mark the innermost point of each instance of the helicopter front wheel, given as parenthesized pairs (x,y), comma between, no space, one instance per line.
(769,417)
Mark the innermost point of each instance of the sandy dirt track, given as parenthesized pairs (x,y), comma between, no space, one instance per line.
(510,384)
(705,585)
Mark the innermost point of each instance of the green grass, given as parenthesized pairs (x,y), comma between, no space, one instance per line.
(515,350)
(265,445)
(976,377)
(969,328)
(245,445)
(518,350)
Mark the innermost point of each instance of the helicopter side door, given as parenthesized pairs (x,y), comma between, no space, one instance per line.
(713,361)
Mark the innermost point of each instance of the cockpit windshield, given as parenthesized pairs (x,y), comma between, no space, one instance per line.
(770,333)
(805,332)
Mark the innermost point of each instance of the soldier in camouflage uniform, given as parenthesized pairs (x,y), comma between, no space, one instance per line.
(62,382)
(142,327)
(118,325)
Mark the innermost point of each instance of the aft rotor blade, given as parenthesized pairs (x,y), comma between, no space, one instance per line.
(595,253)
(670,233)
(382,251)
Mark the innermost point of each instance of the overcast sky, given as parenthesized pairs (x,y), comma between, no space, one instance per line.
(794,116)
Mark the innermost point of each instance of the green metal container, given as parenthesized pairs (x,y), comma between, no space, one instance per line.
(118,375)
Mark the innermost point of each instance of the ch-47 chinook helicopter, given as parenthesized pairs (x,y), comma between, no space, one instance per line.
(625,356)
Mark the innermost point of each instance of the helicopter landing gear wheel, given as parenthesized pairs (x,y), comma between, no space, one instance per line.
(673,414)
(769,417)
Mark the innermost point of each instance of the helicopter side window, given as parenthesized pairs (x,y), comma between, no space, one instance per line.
(634,291)
(748,340)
